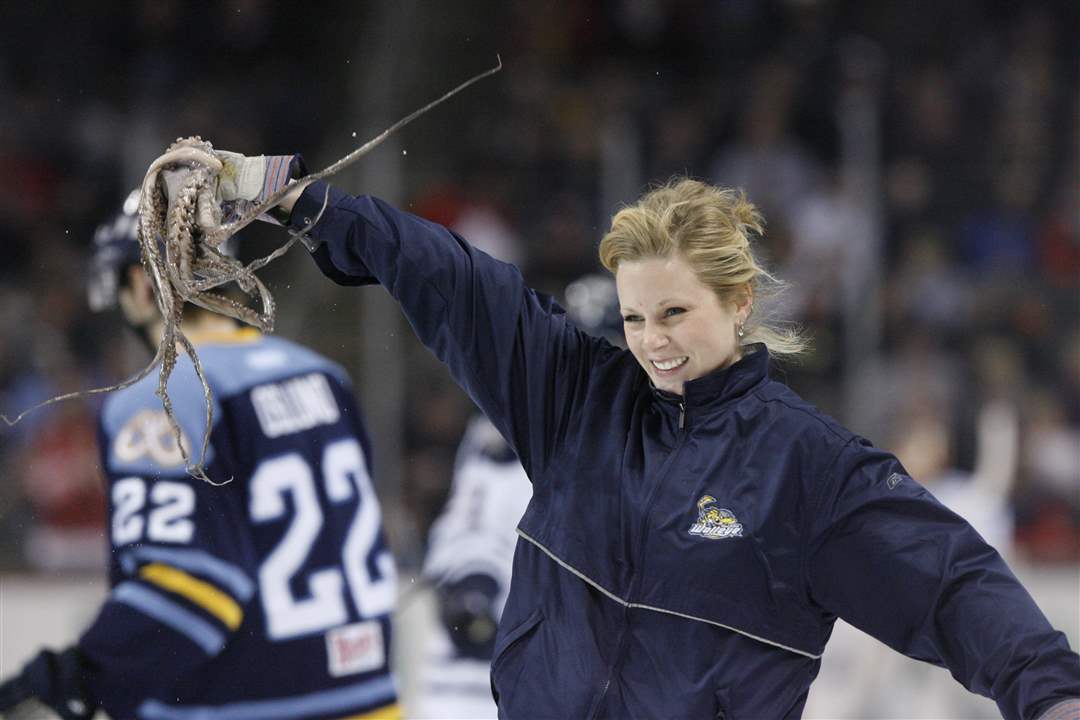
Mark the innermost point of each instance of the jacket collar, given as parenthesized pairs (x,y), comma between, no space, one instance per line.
(722,384)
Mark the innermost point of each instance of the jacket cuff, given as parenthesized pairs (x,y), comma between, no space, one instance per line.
(314,204)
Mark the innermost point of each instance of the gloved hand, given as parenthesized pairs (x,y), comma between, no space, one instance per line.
(247,181)
(240,181)
(251,178)
(58,680)
(467,610)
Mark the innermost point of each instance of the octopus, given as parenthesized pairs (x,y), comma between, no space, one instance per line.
(182,226)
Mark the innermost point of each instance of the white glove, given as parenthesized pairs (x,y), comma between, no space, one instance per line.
(251,178)
(244,182)
(241,182)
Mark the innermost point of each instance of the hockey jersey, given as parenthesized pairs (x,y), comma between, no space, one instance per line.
(267,592)
(475,535)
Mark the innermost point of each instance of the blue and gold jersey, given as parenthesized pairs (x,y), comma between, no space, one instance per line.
(266,593)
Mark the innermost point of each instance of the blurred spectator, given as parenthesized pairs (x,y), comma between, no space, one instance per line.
(1048,500)
(774,169)
(830,239)
(926,286)
(61,480)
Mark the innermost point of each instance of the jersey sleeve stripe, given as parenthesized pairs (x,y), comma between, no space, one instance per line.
(193,561)
(203,594)
(387,712)
(377,691)
(183,621)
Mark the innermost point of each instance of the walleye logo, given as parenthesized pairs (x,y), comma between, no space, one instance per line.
(149,435)
(713,522)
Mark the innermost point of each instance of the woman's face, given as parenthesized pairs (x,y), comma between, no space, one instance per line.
(676,327)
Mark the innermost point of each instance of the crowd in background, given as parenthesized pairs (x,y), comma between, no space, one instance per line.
(931,149)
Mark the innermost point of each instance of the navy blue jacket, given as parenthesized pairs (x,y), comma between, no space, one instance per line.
(687,557)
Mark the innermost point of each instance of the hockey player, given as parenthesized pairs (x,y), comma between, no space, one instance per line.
(265,596)
(471,550)
(471,544)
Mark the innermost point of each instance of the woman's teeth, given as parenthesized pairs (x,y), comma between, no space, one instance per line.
(669,364)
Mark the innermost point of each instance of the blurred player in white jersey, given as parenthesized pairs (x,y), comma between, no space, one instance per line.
(471,544)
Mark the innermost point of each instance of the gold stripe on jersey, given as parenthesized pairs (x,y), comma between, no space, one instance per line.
(387,712)
(203,594)
(225,337)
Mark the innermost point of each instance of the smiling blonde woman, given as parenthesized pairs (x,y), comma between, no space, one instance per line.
(695,527)
(709,232)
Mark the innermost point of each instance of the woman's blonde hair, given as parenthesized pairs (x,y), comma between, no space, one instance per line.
(710,228)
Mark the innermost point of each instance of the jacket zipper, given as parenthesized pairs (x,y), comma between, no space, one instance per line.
(621,647)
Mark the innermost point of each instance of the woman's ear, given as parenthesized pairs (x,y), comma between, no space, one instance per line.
(744,303)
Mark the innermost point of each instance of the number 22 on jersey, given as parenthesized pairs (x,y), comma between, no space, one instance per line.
(344,477)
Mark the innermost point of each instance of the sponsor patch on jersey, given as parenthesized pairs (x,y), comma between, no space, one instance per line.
(355,648)
(715,523)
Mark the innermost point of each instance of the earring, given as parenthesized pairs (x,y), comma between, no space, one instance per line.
(740,330)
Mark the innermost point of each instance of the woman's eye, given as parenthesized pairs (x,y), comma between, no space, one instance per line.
(631,318)
(674,311)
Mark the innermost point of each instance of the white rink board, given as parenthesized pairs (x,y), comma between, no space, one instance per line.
(860,678)
(36,612)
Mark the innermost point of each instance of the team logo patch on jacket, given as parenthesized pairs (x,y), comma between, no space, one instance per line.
(713,522)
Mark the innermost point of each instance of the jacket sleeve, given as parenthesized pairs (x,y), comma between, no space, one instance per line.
(890,559)
(509,347)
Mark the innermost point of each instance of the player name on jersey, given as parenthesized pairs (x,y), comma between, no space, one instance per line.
(294,405)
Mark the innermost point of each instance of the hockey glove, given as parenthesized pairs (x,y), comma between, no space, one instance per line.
(241,182)
(58,680)
(467,610)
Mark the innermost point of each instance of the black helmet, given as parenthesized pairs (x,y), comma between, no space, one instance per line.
(592,304)
(116,247)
